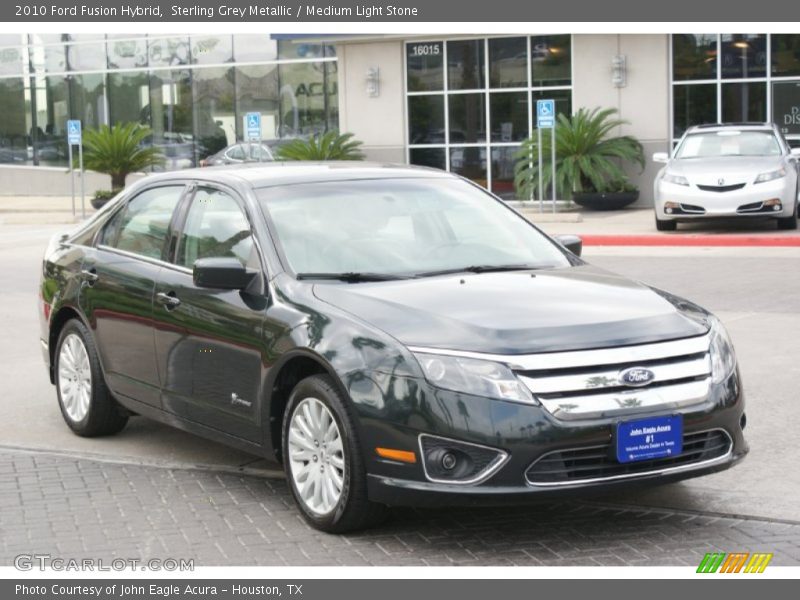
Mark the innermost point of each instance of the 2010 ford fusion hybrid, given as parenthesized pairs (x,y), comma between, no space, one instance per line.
(391,335)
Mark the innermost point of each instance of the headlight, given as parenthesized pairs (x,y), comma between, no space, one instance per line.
(472,376)
(676,179)
(770,175)
(723,358)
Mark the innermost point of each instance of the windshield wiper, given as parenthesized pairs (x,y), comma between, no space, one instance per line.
(479,269)
(352,277)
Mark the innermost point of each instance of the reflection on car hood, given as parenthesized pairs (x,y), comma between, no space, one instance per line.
(733,169)
(515,313)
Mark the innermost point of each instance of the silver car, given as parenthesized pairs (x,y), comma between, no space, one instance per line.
(728,170)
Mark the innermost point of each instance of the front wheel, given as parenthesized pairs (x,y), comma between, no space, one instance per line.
(788,222)
(86,403)
(322,458)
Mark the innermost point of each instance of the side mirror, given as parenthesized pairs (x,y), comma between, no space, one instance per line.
(661,157)
(571,242)
(225,273)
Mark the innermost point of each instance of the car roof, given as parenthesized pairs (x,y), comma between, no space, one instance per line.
(274,173)
(745,126)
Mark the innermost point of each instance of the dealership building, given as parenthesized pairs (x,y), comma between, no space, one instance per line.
(453,102)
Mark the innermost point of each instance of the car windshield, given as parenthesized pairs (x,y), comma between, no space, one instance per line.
(401,227)
(729,143)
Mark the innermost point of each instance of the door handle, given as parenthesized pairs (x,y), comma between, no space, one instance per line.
(90,276)
(168,301)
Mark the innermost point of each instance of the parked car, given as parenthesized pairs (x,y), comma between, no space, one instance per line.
(239,153)
(728,170)
(392,335)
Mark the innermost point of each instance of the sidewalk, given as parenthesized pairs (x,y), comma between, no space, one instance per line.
(630,227)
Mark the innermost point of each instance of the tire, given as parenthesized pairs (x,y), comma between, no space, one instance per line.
(91,411)
(788,222)
(666,225)
(351,510)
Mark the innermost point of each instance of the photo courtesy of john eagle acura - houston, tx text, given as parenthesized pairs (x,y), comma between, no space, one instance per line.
(391,335)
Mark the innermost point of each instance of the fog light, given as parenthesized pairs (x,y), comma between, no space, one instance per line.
(449,461)
(670,207)
(775,203)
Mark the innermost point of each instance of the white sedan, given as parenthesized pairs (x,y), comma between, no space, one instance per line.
(728,170)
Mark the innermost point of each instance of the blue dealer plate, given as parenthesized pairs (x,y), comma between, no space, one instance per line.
(646,439)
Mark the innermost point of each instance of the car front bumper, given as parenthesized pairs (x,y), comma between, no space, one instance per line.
(527,433)
(749,201)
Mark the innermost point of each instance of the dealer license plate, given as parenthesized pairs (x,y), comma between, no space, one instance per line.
(646,439)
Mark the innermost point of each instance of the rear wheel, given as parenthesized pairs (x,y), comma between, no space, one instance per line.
(662,225)
(323,461)
(86,403)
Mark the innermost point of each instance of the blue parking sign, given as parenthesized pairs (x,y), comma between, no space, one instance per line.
(252,126)
(73,132)
(545,114)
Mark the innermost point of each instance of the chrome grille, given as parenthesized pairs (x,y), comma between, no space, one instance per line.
(587,385)
(597,463)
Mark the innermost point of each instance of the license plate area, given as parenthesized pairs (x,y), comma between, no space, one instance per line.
(648,439)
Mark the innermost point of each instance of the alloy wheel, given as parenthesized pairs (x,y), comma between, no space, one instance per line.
(74,377)
(316,456)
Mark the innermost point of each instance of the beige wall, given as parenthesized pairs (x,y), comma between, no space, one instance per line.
(50,181)
(379,122)
(644,100)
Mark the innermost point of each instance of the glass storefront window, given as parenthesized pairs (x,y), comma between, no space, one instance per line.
(563,100)
(428,157)
(215,117)
(785,55)
(85,57)
(303,97)
(693,105)
(11,61)
(212,49)
(744,102)
(467,114)
(503,161)
(743,55)
(128,95)
(426,119)
(694,56)
(551,60)
(52,113)
(14,139)
(125,52)
(171,113)
(87,99)
(254,48)
(257,90)
(168,52)
(508,62)
(470,162)
(508,114)
(298,49)
(425,66)
(465,65)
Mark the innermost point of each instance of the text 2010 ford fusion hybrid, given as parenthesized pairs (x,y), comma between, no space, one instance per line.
(392,335)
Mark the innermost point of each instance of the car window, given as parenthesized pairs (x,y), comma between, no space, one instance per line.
(142,226)
(730,143)
(235,153)
(216,226)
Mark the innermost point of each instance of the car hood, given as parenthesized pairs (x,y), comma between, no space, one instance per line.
(516,313)
(733,169)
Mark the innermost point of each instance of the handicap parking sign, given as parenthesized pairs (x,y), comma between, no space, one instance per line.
(252,126)
(73,132)
(545,114)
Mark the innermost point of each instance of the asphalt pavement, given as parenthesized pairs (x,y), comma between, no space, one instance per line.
(755,291)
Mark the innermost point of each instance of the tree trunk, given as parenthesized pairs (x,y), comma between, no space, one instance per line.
(118,181)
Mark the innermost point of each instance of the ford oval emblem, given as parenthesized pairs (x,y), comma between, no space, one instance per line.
(636,376)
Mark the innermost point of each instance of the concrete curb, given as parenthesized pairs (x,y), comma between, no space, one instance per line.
(726,240)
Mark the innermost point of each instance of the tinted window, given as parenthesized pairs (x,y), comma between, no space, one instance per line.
(142,226)
(425,66)
(235,153)
(730,143)
(215,227)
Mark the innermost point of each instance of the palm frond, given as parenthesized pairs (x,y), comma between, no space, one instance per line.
(329,146)
(120,150)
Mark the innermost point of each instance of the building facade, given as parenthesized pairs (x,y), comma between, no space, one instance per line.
(459,103)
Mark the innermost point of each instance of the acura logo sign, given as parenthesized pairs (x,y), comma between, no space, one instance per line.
(636,377)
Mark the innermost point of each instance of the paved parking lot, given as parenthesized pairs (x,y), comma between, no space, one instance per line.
(145,499)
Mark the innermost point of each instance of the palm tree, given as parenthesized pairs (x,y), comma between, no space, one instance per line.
(119,150)
(328,146)
(588,159)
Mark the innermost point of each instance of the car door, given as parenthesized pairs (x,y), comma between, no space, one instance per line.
(209,341)
(117,294)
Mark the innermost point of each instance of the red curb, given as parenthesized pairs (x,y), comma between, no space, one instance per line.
(678,239)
